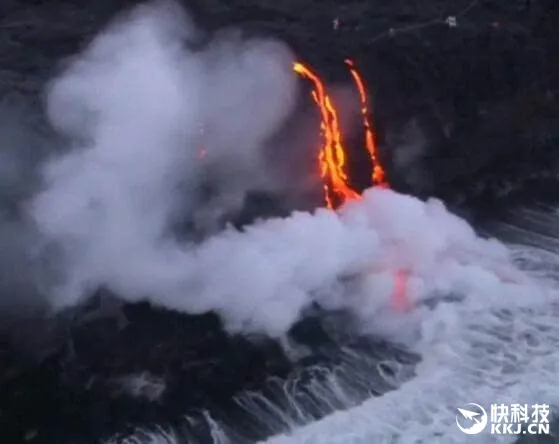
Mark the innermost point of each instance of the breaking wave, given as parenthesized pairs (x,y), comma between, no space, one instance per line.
(139,104)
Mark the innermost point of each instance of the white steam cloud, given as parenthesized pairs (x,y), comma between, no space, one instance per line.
(139,106)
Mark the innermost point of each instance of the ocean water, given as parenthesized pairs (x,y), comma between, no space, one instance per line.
(490,343)
(489,352)
(480,350)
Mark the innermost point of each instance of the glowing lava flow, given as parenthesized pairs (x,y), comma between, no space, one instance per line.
(332,155)
(332,161)
(378,176)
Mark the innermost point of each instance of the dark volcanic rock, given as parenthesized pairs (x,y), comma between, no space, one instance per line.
(451,104)
(150,367)
(469,113)
(144,369)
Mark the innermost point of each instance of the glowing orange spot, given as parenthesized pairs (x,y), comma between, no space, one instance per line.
(400,299)
(378,175)
(332,154)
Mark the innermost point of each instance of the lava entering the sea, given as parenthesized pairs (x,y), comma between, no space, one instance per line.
(333,153)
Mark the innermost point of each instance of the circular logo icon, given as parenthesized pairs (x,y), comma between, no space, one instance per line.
(471,419)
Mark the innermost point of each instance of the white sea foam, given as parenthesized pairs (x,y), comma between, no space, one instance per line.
(491,352)
(133,104)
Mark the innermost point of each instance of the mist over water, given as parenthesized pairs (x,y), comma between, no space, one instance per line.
(138,107)
(162,128)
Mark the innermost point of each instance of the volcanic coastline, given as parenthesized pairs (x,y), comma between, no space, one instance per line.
(476,105)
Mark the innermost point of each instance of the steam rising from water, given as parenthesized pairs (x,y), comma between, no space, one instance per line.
(139,106)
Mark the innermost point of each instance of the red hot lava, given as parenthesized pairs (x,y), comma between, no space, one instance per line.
(333,154)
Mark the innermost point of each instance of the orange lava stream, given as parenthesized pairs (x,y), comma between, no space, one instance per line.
(378,175)
(332,158)
(332,155)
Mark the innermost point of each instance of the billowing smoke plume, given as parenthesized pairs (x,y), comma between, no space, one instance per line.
(152,121)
